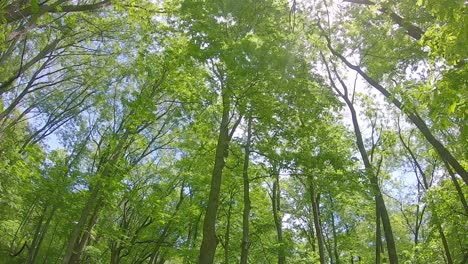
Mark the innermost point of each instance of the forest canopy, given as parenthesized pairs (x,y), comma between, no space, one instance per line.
(223,131)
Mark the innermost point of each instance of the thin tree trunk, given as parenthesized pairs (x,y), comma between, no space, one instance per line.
(227,234)
(246,213)
(44,231)
(192,237)
(335,237)
(51,241)
(426,186)
(443,238)
(380,203)
(159,242)
(22,224)
(73,242)
(317,225)
(32,248)
(115,253)
(458,188)
(378,236)
(209,241)
(275,201)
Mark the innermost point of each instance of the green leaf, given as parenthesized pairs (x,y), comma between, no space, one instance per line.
(35,7)
(451,108)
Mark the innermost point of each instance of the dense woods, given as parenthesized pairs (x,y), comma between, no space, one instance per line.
(223,131)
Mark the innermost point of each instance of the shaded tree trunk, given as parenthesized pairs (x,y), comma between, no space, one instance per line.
(78,252)
(318,227)
(335,237)
(445,244)
(246,187)
(73,242)
(378,236)
(276,206)
(227,234)
(209,241)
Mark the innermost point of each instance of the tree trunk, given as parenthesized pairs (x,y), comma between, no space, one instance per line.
(275,202)
(33,246)
(73,242)
(192,235)
(78,252)
(246,213)
(378,235)
(227,234)
(443,238)
(115,253)
(44,231)
(317,225)
(209,242)
(380,203)
(335,237)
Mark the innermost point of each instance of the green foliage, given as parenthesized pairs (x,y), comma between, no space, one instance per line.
(109,119)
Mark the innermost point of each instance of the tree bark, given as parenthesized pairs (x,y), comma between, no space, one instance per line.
(246,213)
(42,235)
(73,242)
(37,233)
(378,236)
(227,234)
(276,206)
(209,241)
(442,237)
(317,225)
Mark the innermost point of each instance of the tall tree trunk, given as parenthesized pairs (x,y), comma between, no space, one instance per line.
(227,234)
(73,242)
(378,235)
(115,253)
(276,205)
(78,252)
(246,213)
(380,203)
(192,237)
(166,230)
(335,237)
(209,242)
(445,244)
(317,225)
(42,235)
(51,241)
(32,247)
